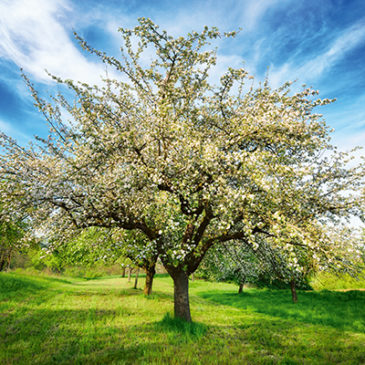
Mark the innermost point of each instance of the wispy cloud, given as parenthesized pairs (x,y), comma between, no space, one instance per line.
(32,35)
(254,10)
(316,67)
(304,40)
(10,130)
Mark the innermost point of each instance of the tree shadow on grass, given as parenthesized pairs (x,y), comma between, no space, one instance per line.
(159,295)
(187,331)
(117,292)
(64,336)
(276,341)
(340,310)
(89,336)
(37,290)
(12,286)
(109,292)
(22,289)
(97,336)
(10,283)
(53,279)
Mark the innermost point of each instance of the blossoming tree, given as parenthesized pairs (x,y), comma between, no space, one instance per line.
(12,231)
(184,161)
(10,242)
(137,247)
(232,261)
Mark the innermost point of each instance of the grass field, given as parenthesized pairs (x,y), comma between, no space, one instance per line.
(59,320)
(330,281)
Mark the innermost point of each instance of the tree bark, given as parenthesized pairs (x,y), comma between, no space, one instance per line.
(293,291)
(9,259)
(150,273)
(2,264)
(240,288)
(2,259)
(181,295)
(242,283)
(123,272)
(136,279)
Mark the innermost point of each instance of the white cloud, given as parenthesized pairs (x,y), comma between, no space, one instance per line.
(33,36)
(255,10)
(223,63)
(315,67)
(348,141)
(9,130)
(344,43)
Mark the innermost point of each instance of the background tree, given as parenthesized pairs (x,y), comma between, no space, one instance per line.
(90,248)
(263,266)
(95,246)
(231,262)
(217,162)
(12,231)
(10,242)
(141,252)
(286,267)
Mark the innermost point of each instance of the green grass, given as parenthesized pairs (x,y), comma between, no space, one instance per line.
(60,320)
(331,281)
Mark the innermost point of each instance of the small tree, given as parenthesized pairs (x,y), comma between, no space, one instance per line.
(211,160)
(103,245)
(12,231)
(10,242)
(87,248)
(235,262)
(286,267)
(141,252)
(240,262)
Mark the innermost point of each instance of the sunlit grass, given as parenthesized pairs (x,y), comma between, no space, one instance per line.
(331,281)
(59,320)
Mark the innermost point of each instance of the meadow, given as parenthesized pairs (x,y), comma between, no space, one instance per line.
(48,319)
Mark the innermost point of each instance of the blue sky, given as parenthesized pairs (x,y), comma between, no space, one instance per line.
(318,42)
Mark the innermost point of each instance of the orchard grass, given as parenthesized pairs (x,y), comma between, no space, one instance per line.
(48,319)
(330,281)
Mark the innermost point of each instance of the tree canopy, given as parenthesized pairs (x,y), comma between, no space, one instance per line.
(188,163)
(12,231)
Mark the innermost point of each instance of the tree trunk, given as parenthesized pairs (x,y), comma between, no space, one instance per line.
(242,283)
(123,272)
(181,295)
(9,259)
(2,259)
(136,279)
(293,291)
(150,273)
(2,263)
(129,274)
